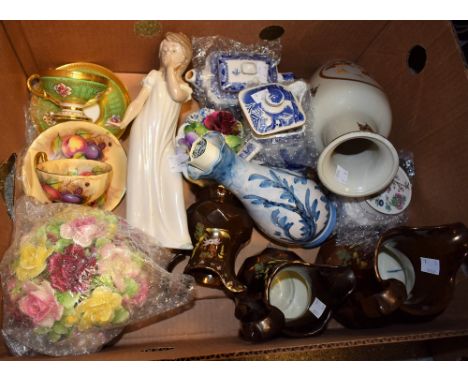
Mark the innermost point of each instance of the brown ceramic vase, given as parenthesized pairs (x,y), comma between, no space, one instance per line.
(409,277)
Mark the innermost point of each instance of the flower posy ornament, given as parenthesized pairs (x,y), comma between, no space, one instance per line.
(80,275)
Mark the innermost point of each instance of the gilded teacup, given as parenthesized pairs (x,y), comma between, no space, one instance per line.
(78,181)
(71,90)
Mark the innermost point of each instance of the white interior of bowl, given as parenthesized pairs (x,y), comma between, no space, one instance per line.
(358,164)
(290,292)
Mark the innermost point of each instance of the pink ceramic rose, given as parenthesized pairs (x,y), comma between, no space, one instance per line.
(82,231)
(117,262)
(63,90)
(40,304)
(140,298)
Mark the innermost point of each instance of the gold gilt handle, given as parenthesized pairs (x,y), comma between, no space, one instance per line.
(38,92)
(40,157)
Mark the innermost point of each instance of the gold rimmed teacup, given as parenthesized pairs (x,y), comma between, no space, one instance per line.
(71,90)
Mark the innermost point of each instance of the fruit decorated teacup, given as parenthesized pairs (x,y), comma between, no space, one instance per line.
(78,181)
(72,91)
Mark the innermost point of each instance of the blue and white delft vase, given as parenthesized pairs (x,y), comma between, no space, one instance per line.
(287,207)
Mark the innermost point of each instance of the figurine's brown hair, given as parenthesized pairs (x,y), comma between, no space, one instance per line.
(184,42)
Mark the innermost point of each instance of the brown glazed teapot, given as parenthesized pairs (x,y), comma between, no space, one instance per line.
(219,227)
(286,295)
(409,277)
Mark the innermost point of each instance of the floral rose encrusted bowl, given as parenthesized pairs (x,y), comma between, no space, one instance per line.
(204,120)
(199,123)
(74,280)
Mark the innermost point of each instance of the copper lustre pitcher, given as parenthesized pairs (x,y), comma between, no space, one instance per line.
(219,227)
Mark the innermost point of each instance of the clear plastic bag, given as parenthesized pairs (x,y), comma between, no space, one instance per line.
(359,224)
(209,53)
(75,276)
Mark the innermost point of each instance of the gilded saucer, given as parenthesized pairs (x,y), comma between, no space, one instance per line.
(52,142)
(110,109)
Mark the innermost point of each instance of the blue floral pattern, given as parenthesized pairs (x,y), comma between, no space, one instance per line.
(286,206)
(308,212)
(266,120)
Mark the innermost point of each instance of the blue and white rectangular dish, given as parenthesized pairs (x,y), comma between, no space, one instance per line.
(271,108)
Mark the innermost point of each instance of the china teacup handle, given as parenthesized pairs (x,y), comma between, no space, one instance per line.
(39,158)
(39,93)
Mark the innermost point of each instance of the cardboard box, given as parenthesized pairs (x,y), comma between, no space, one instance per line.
(430,111)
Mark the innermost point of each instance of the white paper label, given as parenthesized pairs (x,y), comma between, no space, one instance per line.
(431,266)
(341,175)
(317,308)
(249,150)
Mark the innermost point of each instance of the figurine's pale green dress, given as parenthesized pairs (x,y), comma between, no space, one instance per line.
(155,200)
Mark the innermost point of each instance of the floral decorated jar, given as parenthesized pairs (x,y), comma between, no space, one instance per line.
(198,124)
(389,204)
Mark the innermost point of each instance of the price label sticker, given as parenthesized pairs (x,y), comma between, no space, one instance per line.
(431,266)
(249,150)
(317,308)
(341,174)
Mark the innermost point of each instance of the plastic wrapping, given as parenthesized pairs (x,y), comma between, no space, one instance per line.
(209,53)
(7,183)
(31,131)
(294,150)
(358,223)
(75,276)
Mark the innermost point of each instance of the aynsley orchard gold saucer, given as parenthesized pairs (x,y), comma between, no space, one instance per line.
(107,112)
(78,140)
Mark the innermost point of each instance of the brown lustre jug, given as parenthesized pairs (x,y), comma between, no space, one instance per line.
(409,277)
(286,295)
(219,227)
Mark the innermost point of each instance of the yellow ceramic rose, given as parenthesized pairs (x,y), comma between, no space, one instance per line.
(32,261)
(99,309)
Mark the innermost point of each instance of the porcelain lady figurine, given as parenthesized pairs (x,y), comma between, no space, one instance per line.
(286,206)
(155,201)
